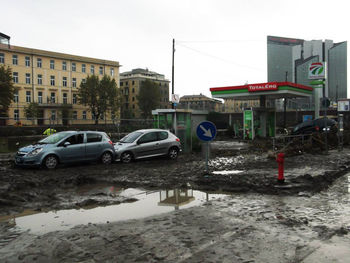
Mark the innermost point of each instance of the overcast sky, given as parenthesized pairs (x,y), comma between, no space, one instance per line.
(218,42)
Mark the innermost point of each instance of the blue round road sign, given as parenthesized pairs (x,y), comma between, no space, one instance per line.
(206,131)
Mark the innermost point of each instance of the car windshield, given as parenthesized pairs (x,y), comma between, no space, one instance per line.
(131,137)
(303,125)
(54,138)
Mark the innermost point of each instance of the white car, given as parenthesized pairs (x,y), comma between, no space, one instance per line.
(147,143)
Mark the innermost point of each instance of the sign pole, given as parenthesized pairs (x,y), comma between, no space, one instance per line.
(207,157)
(206,132)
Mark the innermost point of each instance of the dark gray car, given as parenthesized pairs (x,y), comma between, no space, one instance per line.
(67,147)
(147,143)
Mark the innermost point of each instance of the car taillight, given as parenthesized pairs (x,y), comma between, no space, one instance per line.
(177,139)
(110,142)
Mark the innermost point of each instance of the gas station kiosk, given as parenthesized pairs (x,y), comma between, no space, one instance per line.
(262,120)
(178,121)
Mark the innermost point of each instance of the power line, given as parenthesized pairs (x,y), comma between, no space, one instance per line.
(219,58)
(220,41)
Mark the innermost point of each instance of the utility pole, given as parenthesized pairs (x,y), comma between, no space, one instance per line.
(285,107)
(172,74)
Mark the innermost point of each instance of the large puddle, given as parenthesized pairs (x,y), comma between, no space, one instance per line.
(148,203)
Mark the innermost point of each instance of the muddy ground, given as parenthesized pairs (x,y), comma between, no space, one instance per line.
(262,221)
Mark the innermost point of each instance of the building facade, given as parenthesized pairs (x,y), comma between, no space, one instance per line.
(200,102)
(130,83)
(234,105)
(288,59)
(51,79)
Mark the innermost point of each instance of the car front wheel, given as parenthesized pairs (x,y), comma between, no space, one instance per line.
(173,153)
(126,157)
(51,162)
(106,158)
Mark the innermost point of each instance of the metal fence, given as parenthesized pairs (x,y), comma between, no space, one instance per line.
(26,126)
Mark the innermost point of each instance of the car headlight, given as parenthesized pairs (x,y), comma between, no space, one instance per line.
(35,152)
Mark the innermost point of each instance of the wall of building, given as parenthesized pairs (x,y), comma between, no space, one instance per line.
(337,71)
(130,86)
(51,79)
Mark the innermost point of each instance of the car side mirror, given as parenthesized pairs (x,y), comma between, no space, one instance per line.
(66,144)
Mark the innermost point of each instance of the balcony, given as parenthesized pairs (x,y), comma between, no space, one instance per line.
(52,103)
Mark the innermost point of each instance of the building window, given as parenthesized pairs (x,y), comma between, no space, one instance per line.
(74,99)
(27,78)
(40,97)
(65,98)
(92,69)
(28,96)
(64,81)
(2,58)
(112,72)
(83,68)
(40,79)
(52,64)
(133,90)
(74,82)
(83,81)
(74,66)
(53,97)
(15,77)
(52,80)
(16,115)
(14,59)
(39,62)
(53,115)
(84,115)
(133,98)
(15,98)
(75,115)
(64,65)
(101,70)
(133,82)
(121,84)
(27,61)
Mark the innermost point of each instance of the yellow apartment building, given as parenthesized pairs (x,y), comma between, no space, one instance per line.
(51,79)
(130,83)
(200,102)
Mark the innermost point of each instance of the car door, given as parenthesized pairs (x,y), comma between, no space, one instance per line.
(74,151)
(147,145)
(163,142)
(94,145)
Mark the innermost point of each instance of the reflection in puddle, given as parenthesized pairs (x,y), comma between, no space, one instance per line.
(227,172)
(149,203)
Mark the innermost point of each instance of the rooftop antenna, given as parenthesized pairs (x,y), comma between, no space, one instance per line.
(5,37)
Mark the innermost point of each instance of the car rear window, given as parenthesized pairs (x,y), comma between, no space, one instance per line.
(162,135)
(93,137)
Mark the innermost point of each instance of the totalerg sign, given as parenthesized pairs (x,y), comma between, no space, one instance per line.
(262,87)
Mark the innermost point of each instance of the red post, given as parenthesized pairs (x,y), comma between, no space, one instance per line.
(280,161)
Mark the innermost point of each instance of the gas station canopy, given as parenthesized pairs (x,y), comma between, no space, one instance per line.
(271,90)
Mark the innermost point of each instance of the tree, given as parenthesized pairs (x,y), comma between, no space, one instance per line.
(148,98)
(100,96)
(32,111)
(7,90)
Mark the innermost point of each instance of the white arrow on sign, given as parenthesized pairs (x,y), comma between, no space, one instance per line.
(207,133)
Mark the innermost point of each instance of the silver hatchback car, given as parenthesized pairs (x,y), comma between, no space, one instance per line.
(67,147)
(147,143)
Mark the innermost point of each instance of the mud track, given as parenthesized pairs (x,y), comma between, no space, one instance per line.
(40,189)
